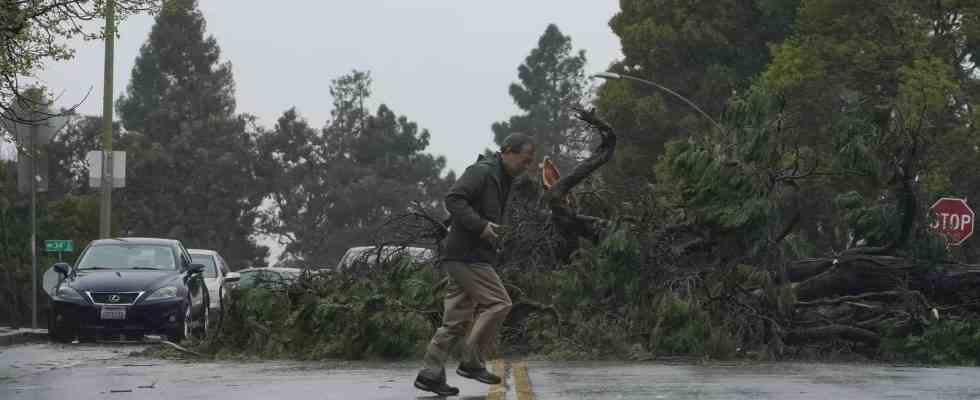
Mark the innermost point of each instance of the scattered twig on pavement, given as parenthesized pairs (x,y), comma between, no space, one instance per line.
(180,348)
(150,386)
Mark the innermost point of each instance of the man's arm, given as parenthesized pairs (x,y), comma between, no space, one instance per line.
(467,189)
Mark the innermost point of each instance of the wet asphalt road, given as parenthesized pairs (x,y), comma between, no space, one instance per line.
(108,371)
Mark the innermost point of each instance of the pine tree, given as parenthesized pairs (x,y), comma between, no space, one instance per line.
(706,51)
(190,156)
(552,82)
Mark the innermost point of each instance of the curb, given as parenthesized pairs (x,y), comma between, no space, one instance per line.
(10,338)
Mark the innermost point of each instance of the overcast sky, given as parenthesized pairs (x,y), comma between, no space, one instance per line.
(444,64)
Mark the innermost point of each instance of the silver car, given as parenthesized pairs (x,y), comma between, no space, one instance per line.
(368,255)
(217,275)
(276,278)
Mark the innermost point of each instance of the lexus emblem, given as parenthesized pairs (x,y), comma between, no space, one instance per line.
(114,298)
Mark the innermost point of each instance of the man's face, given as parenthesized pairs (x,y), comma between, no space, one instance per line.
(518,162)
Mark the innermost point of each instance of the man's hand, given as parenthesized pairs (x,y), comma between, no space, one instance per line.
(488,232)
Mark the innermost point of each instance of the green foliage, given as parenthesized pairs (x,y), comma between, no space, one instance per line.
(705,51)
(74,218)
(924,89)
(382,314)
(609,309)
(725,178)
(870,103)
(947,342)
(796,247)
(875,223)
(856,142)
(608,269)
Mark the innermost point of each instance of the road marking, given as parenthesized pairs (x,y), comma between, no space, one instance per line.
(522,381)
(498,391)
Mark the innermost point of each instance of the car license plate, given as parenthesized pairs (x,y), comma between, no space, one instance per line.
(113,313)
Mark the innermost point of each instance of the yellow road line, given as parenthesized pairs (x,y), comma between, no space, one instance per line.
(522,381)
(498,391)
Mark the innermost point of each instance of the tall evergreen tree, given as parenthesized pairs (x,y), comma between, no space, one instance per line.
(552,82)
(705,51)
(293,170)
(332,189)
(190,156)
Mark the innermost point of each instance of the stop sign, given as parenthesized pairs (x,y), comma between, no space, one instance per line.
(953,218)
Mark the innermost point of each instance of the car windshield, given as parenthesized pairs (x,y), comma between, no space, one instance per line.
(210,268)
(118,256)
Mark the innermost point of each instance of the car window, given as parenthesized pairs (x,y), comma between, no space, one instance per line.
(120,256)
(184,255)
(255,279)
(290,277)
(223,265)
(210,267)
(247,279)
(366,256)
(266,279)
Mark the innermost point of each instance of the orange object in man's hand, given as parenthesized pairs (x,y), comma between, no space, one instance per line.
(550,176)
(549,173)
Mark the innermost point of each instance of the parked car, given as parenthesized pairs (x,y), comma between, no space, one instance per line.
(129,286)
(275,278)
(217,275)
(361,256)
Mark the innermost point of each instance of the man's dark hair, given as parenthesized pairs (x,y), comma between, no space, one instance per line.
(515,143)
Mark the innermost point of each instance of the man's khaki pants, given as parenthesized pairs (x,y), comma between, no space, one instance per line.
(471,285)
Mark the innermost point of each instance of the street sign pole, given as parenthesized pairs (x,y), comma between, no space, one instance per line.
(37,129)
(33,179)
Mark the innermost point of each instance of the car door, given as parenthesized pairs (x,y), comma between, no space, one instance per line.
(195,284)
(222,273)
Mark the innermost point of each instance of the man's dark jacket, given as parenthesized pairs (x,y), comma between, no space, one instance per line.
(478,196)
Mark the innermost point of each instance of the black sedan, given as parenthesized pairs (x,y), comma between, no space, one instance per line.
(131,287)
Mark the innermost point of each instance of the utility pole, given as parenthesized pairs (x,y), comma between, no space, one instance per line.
(105,216)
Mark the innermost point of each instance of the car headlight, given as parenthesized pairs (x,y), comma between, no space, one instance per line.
(67,293)
(166,292)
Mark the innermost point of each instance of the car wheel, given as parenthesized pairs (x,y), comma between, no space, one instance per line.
(58,334)
(202,329)
(183,328)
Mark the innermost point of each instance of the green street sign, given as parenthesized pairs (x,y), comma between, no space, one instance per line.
(53,246)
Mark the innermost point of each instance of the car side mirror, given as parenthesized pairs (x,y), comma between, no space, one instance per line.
(63,268)
(233,277)
(195,269)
